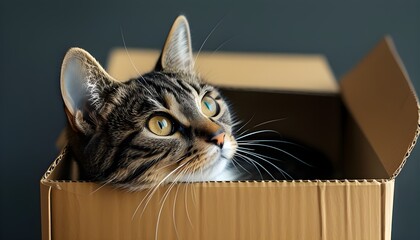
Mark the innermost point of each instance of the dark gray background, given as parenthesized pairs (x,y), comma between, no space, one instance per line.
(36,34)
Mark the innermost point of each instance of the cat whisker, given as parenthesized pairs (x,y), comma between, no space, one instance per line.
(278,149)
(256,132)
(129,57)
(235,119)
(252,152)
(101,186)
(205,40)
(268,122)
(164,197)
(154,189)
(233,163)
(148,195)
(170,164)
(261,124)
(260,156)
(185,200)
(173,211)
(202,174)
(194,195)
(134,66)
(244,124)
(235,123)
(252,162)
(269,140)
(237,162)
(150,192)
(245,148)
(222,44)
(185,185)
(132,63)
(256,162)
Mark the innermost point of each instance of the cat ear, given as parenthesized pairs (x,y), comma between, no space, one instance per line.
(83,82)
(177,54)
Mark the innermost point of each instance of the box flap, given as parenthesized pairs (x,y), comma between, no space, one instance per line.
(290,72)
(379,95)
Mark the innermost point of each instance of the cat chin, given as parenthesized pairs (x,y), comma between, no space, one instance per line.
(220,169)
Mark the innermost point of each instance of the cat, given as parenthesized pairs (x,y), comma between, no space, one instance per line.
(167,125)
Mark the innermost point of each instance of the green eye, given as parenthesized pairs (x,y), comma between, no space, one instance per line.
(160,125)
(209,106)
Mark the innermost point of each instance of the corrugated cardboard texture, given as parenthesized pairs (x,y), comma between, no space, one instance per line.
(216,210)
(309,73)
(236,210)
(379,96)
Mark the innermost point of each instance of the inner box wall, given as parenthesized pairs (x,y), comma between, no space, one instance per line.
(313,120)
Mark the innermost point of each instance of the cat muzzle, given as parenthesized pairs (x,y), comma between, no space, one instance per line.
(218,139)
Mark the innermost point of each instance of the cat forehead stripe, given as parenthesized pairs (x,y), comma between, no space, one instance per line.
(175,108)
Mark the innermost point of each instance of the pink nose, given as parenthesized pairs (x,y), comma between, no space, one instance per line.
(219,139)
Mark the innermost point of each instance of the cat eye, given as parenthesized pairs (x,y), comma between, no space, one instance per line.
(160,125)
(209,106)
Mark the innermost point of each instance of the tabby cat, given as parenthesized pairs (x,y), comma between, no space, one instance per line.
(166,125)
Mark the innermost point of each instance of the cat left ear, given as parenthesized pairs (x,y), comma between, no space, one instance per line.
(177,54)
(84,84)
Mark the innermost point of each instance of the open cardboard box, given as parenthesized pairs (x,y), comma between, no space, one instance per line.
(367,126)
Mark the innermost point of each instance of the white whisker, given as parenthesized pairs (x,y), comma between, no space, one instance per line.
(278,149)
(269,140)
(250,161)
(260,156)
(245,148)
(205,40)
(101,186)
(233,163)
(268,122)
(173,211)
(165,196)
(194,196)
(256,132)
(186,202)
(237,162)
(154,190)
(249,152)
(126,51)
(222,44)
(244,125)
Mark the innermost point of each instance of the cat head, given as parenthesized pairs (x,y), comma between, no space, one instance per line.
(166,125)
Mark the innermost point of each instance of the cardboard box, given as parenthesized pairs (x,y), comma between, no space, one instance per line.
(368,139)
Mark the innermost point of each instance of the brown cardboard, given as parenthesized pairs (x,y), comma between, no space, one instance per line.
(357,206)
(383,102)
(308,73)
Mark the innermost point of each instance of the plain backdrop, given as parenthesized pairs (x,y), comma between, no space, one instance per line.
(34,36)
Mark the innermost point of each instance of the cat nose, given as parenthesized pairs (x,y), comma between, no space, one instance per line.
(218,139)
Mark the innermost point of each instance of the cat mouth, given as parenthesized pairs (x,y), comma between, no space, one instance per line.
(216,166)
(225,153)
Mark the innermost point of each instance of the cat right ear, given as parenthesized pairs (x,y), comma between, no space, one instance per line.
(83,82)
(177,54)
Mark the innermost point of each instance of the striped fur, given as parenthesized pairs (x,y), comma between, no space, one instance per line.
(108,119)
